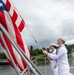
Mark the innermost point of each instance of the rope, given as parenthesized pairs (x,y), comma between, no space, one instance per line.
(34,37)
(39,46)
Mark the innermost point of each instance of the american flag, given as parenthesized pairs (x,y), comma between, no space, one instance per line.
(14,24)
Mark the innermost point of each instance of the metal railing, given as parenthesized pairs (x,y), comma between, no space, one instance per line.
(46,69)
(20,51)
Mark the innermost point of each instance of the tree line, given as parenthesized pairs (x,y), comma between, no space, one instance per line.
(36,52)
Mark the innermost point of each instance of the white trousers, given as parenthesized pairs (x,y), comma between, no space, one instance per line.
(54,70)
(63,71)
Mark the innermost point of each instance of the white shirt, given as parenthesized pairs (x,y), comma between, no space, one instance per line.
(62,60)
(54,67)
(53,62)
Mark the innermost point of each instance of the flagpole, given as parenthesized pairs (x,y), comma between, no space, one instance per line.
(21,53)
(7,50)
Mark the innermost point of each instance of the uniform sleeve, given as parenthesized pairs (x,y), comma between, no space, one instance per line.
(54,56)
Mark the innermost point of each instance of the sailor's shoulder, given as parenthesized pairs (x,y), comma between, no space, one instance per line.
(62,49)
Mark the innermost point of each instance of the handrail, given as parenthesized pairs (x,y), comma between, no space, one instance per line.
(21,53)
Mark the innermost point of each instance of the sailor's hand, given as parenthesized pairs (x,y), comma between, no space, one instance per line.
(45,52)
(49,58)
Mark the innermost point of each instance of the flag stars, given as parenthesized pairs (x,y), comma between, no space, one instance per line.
(1,4)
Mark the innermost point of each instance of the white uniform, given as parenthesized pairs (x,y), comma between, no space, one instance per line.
(54,67)
(62,60)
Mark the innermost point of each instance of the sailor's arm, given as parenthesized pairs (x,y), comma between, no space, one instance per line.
(54,56)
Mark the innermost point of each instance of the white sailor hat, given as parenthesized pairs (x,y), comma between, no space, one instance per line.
(53,44)
(62,39)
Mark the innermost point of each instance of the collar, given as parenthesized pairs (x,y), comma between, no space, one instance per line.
(62,45)
(51,51)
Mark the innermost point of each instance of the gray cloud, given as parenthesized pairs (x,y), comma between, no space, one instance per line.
(47,19)
(67,29)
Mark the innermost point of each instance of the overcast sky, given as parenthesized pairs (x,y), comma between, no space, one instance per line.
(48,20)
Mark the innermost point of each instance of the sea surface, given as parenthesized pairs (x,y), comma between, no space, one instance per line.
(7,70)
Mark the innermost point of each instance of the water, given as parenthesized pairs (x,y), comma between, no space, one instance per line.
(7,70)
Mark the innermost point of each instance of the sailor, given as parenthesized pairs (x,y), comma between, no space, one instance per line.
(61,57)
(54,67)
